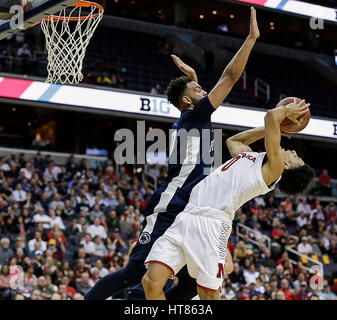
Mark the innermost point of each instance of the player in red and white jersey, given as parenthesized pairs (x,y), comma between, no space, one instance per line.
(199,235)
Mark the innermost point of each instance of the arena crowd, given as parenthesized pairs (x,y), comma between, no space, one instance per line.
(66,226)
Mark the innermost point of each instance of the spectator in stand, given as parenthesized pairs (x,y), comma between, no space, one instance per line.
(289,295)
(240,251)
(156,89)
(78,296)
(268,262)
(96,229)
(36,294)
(6,253)
(280,295)
(302,293)
(69,289)
(57,234)
(83,286)
(227,292)
(19,296)
(46,289)
(19,195)
(245,293)
(63,292)
(304,247)
(27,171)
(301,220)
(25,53)
(319,211)
(80,268)
(327,294)
(304,207)
(95,213)
(56,202)
(300,279)
(100,249)
(40,216)
(100,267)
(121,207)
(72,230)
(324,183)
(112,220)
(55,220)
(236,277)
(89,246)
(37,239)
(114,80)
(287,204)
(5,288)
(277,232)
(251,275)
(331,212)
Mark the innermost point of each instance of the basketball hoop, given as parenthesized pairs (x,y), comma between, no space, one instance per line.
(67,37)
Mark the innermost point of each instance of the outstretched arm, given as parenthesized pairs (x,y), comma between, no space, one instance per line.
(185,68)
(241,141)
(234,70)
(272,120)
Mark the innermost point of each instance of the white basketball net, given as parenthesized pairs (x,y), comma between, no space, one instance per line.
(66,42)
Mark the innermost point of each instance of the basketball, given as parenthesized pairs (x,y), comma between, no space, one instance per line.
(287,125)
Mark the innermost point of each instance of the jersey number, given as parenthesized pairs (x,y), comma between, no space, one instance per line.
(230,163)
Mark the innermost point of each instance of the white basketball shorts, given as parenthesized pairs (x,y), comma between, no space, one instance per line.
(198,241)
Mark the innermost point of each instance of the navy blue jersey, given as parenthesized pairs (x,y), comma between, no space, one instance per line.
(193,163)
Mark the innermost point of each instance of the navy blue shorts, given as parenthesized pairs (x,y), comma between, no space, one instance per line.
(161,222)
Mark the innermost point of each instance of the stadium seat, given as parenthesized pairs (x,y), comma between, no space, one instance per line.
(325,259)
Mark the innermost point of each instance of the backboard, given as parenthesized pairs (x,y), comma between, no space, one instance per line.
(28,12)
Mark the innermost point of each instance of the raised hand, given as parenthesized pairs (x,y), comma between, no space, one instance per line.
(254,32)
(296,110)
(285,134)
(185,68)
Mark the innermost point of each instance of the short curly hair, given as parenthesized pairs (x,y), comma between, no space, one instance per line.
(176,89)
(295,181)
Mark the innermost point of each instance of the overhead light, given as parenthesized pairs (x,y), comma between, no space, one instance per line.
(116,1)
(214,12)
(201,16)
(133,2)
(232,16)
(13,109)
(29,124)
(317,35)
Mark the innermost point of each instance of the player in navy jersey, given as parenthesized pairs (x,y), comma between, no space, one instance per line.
(191,167)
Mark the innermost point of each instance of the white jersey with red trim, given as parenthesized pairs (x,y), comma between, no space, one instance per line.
(230,186)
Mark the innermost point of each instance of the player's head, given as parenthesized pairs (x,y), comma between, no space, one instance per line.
(184,93)
(296,176)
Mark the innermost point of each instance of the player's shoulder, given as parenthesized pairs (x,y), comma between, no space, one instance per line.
(251,155)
